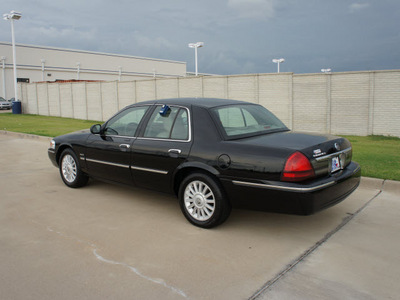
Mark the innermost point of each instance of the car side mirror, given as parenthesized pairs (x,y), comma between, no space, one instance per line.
(95,129)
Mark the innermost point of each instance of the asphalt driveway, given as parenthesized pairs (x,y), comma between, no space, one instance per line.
(111,242)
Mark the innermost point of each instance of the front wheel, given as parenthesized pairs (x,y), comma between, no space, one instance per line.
(203,201)
(70,170)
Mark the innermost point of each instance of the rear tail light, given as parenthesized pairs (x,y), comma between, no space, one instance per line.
(297,168)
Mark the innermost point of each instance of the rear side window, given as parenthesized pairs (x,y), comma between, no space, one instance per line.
(246,120)
(172,124)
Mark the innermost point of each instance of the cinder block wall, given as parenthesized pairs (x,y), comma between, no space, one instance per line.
(353,103)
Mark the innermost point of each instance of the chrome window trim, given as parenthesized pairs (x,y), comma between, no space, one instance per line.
(149,170)
(164,140)
(120,136)
(333,154)
(107,163)
(158,139)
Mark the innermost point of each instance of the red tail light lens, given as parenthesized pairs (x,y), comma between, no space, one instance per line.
(297,168)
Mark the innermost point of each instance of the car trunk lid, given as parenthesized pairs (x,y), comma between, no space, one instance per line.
(327,153)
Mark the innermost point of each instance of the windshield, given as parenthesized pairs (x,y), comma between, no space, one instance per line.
(247,120)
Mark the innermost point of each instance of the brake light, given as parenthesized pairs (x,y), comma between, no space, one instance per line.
(297,168)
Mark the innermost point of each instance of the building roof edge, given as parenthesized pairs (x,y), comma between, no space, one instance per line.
(90,52)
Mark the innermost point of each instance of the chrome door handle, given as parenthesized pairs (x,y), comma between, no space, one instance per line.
(124,147)
(175,151)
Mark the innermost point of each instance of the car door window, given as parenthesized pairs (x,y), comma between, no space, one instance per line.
(126,122)
(180,131)
(173,124)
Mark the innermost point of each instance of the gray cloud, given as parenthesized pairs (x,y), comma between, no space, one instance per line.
(355,7)
(253,9)
(241,36)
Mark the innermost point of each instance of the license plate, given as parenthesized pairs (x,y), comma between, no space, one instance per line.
(335,164)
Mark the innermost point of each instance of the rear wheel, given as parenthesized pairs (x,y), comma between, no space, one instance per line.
(203,201)
(70,170)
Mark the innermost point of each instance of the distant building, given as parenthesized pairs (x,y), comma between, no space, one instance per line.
(39,63)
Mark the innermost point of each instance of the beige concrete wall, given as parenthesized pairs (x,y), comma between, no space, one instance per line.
(353,103)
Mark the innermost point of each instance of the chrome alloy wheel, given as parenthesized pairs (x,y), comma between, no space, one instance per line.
(69,169)
(199,200)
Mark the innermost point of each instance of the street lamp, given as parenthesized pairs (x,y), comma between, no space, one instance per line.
(3,63)
(13,15)
(195,46)
(278,61)
(326,70)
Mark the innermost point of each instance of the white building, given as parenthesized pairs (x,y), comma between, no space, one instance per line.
(38,63)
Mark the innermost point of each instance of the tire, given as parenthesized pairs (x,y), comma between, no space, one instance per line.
(203,201)
(70,170)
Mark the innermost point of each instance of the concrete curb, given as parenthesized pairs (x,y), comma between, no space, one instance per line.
(25,135)
(392,186)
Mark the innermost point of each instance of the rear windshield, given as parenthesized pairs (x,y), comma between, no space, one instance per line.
(247,120)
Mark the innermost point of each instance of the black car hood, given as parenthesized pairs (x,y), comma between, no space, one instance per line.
(73,135)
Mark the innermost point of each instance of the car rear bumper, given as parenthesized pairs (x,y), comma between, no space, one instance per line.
(294,198)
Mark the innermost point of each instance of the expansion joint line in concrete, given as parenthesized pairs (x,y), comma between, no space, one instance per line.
(306,253)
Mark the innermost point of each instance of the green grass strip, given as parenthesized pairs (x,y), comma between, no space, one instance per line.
(379,156)
(42,125)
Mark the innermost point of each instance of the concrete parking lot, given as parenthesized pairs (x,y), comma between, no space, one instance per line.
(110,242)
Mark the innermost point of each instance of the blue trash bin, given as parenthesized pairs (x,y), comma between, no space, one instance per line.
(16,107)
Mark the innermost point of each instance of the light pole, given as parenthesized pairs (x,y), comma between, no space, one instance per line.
(13,15)
(326,70)
(195,46)
(278,61)
(43,61)
(78,70)
(3,63)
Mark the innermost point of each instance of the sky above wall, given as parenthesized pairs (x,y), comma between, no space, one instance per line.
(240,36)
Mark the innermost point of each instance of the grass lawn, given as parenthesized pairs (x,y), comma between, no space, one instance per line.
(378,156)
(42,125)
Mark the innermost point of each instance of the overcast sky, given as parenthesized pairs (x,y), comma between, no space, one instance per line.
(240,36)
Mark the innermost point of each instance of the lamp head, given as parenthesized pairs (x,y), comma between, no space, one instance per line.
(13,15)
(196,45)
(280,60)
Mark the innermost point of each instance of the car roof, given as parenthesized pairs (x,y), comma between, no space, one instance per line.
(200,102)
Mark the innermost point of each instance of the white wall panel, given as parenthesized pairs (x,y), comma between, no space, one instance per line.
(66,100)
(190,87)
(79,100)
(167,88)
(94,103)
(126,93)
(110,99)
(145,90)
(350,103)
(275,94)
(310,103)
(42,98)
(53,91)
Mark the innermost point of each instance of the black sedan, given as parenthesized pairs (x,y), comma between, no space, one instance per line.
(213,154)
